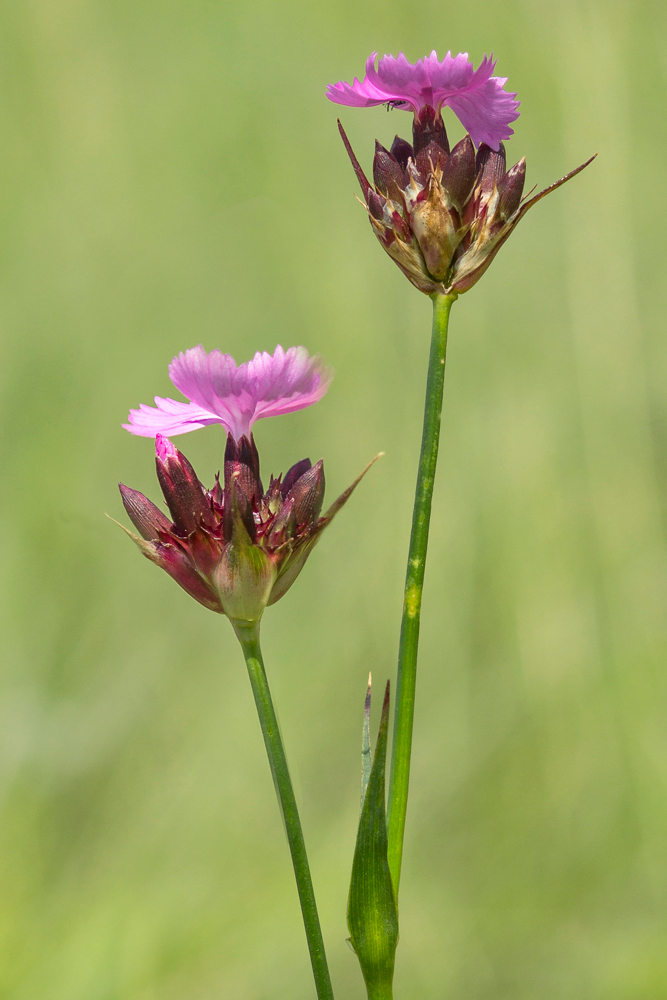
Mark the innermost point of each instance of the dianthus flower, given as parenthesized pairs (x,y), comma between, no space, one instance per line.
(442,215)
(237,547)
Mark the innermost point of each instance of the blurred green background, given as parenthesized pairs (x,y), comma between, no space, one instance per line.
(171,174)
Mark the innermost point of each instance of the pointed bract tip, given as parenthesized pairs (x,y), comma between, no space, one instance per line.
(385,703)
(529,202)
(146,547)
(345,496)
(145,516)
(364,183)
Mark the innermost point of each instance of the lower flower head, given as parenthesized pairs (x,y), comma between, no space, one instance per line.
(235,548)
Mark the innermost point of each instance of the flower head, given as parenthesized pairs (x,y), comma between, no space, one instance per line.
(234,548)
(478,99)
(443,215)
(222,392)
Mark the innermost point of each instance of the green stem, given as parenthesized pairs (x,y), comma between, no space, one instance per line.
(384,991)
(414,582)
(248,635)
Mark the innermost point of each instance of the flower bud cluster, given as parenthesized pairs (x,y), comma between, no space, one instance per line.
(441,214)
(234,548)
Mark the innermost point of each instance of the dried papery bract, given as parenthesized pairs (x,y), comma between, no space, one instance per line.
(441,214)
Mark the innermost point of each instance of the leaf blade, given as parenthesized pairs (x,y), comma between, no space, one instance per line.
(372,914)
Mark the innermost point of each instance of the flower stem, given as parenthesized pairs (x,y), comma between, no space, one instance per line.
(383,991)
(248,636)
(414,582)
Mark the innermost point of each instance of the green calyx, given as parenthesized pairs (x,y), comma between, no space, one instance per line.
(245,575)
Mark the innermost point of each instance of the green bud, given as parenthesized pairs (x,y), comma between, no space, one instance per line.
(372,916)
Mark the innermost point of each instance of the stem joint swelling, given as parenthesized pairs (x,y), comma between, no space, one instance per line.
(414,583)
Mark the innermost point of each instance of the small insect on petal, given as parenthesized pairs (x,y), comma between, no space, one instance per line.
(477,98)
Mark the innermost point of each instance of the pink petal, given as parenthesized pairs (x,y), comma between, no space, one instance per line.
(484,107)
(478,99)
(398,78)
(234,396)
(358,95)
(288,381)
(170,417)
(454,72)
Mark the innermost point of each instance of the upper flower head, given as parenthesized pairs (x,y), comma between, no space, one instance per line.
(443,215)
(478,99)
(222,392)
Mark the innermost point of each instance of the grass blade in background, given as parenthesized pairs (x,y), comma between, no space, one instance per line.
(366,751)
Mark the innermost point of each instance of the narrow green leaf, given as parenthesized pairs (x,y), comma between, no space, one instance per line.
(371,914)
(366,758)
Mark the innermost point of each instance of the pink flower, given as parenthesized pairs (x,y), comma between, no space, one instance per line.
(220,392)
(478,99)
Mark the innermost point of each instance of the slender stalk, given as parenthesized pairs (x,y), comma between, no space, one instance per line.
(248,635)
(414,582)
(383,991)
